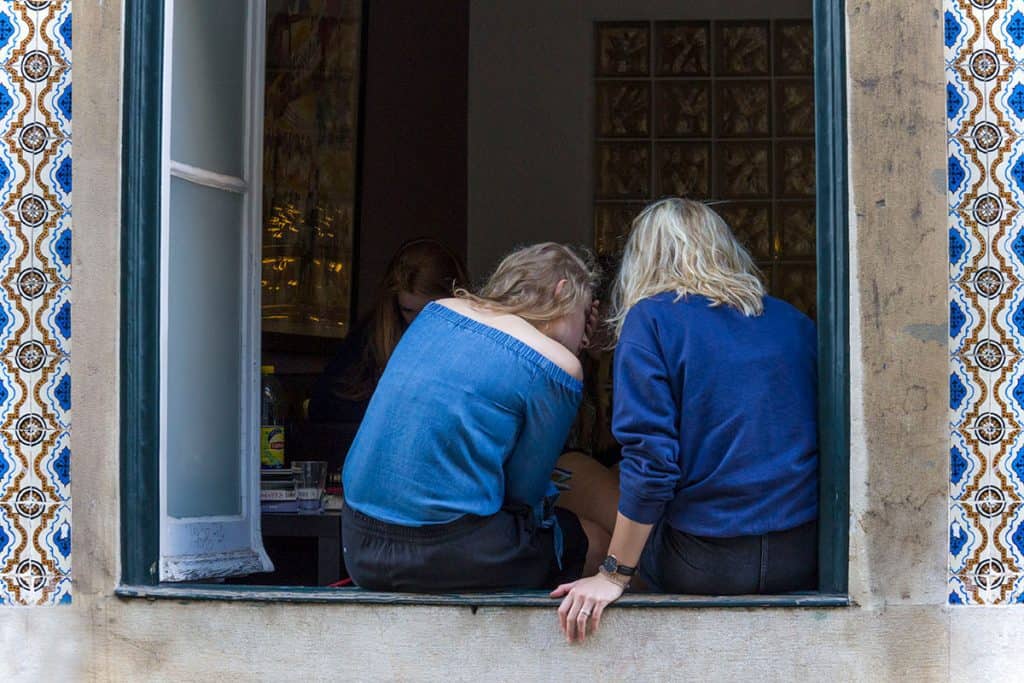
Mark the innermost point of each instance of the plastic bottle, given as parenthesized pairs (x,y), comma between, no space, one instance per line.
(271,424)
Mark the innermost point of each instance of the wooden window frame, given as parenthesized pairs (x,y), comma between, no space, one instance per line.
(140,348)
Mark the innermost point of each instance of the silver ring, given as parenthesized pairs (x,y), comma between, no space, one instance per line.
(584,614)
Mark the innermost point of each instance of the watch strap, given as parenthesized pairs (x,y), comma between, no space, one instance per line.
(612,565)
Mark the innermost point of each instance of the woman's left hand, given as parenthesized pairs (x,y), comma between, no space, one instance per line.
(584,603)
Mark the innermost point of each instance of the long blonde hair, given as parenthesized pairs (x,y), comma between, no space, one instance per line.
(525,281)
(682,246)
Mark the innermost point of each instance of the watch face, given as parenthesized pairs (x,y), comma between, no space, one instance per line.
(610,564)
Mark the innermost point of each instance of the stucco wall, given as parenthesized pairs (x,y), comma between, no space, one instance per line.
(899,628)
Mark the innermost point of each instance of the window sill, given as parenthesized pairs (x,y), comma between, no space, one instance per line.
(235,593)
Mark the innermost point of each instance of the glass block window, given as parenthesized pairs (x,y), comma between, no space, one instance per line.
(711,110)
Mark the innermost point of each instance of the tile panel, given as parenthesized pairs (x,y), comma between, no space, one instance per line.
(35,302)
(984,46)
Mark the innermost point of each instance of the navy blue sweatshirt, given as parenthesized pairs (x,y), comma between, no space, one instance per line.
(716,413)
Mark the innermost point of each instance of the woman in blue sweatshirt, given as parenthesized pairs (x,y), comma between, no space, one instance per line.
(715,409)
(448,482)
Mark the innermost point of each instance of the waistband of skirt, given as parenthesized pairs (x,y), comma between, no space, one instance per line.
(374,526)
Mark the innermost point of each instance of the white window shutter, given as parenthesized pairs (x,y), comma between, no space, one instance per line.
(210,258)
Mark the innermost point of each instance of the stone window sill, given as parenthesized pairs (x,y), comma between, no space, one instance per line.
(235,593)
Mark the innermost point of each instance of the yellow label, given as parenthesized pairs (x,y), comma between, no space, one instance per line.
(272,446)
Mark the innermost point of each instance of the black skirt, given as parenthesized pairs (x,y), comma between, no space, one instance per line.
(507,550)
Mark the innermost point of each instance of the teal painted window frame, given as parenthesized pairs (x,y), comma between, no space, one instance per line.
(140,315)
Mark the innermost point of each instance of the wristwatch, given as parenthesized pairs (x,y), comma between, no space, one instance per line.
(612,566)
(619,573)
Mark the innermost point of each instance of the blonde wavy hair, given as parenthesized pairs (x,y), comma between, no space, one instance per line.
(682,246)
(525,281)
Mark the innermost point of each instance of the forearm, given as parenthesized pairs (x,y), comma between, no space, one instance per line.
(628,540)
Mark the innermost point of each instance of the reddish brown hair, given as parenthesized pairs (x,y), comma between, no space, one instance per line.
(421,266)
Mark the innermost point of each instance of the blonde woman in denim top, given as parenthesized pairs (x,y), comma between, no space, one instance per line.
(448,482)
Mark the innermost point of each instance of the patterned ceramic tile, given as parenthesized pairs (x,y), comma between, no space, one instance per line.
(962,102)
(1007,21)
(54,172)
(985,488)
(16,531)
(962,29)
(53,248)
(966,316)
(19,522)
(57,590)
(29,588)
(965,169)
(967,537)
(53,393)
(957,591)
(1016,594)
(967,249)
(984,41)
(37,477)
(989,436)
(35,308)
(53,319)
(54,466)
(54,540)
(985,586)
(967,396)
(1008,471)
(967,467)
(1008,537)
(14,470)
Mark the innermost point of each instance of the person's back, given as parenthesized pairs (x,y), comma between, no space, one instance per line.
(441,435)
(715,410)
(746,391)
(448,483)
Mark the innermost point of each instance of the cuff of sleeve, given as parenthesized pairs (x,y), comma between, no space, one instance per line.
(639,510)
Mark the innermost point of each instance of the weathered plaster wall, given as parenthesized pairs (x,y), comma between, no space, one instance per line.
(898,375)
(900,627)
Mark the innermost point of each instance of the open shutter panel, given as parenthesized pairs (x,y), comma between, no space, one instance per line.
(209,388)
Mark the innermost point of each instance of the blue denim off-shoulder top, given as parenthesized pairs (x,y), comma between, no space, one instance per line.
(465,419)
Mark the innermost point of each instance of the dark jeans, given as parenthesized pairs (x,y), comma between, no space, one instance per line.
(503,551)
(777,562)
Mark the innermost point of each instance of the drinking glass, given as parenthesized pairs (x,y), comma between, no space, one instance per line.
(309,483)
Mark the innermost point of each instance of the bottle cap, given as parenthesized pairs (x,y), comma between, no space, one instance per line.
(266,369)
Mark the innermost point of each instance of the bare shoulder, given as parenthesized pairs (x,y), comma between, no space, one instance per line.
(516,327)
(564,358)
(458,305)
